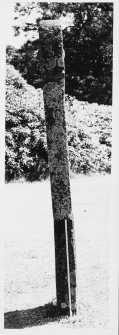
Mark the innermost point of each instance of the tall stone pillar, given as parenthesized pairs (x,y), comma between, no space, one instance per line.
(52,58)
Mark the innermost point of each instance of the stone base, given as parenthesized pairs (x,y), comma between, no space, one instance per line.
(65,280)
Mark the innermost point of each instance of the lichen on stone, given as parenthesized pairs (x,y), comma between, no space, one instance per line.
(54,102)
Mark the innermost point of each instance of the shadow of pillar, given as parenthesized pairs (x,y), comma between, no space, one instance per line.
(30,317)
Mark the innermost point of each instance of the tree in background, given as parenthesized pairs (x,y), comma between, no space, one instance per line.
(88,50)
(88,47)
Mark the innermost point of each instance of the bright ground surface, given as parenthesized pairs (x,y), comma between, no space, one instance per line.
(29,246)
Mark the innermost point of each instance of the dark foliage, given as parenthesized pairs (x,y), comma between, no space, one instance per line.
(87,44)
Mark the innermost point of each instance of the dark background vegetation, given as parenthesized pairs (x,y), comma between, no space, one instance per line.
(88,48)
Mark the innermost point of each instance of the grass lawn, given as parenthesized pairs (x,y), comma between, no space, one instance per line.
(29,253)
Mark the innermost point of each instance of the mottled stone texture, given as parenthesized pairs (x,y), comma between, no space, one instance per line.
(52,58)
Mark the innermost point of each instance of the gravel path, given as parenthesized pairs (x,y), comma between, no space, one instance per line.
(29,253)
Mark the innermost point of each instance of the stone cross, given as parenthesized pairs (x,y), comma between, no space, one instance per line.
(51,55)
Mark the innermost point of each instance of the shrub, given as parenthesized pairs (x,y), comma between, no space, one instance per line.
(88,132)
(25,128)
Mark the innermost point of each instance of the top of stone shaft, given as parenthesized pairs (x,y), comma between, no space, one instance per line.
(46,24)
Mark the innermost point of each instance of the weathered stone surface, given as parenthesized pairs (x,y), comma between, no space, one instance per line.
(52,57)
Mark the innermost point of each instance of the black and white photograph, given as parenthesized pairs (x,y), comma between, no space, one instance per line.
(59,214)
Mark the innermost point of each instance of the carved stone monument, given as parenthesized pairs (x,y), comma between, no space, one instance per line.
(51,55)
